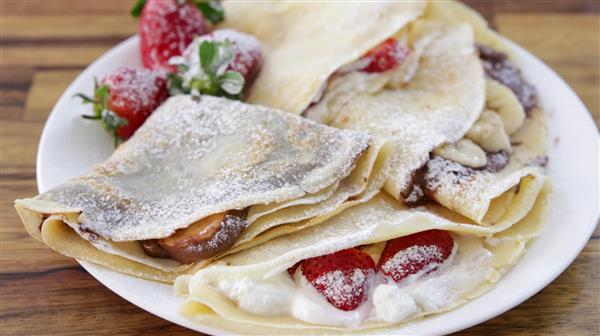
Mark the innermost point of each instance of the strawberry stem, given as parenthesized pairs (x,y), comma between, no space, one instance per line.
(86,99)
(110,120)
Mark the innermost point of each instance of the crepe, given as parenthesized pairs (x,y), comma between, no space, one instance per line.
(305,42)
(439,103)
(453,12)
(191,159)
(434,111)
(371,171)
(432,104)
(495,198)
(250,287)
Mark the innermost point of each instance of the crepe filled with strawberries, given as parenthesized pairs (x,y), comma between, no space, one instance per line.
(443,87)
(372,266)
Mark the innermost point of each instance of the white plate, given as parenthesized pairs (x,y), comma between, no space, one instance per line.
(69,146)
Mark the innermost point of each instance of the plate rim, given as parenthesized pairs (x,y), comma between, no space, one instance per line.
(97,271)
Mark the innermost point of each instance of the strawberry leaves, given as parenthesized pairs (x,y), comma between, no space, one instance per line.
(212,77)
(232,82)
(110,120)
(136,11)
(212,10)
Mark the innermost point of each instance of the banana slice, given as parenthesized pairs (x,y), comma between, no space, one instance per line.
(463,151)
(489,133)
(502,100)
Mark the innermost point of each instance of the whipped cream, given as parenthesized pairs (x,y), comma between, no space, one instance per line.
(467,268)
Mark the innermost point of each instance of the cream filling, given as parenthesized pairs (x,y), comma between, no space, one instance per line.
(469,266)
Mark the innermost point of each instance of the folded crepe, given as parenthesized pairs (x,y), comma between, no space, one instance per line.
(306,42)
(456,111)
(182,189)
(464,131)
(458,93)
(254,291)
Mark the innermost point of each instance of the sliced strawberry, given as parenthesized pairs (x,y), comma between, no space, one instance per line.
(166,28)
(410,254)
(292,270)
(386,56)
(125,98)
(340,276)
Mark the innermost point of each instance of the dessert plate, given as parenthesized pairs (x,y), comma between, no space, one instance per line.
(70,146)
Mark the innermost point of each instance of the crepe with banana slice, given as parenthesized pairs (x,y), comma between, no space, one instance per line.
(181,190)
(456,111)
(306,42)
(273,288)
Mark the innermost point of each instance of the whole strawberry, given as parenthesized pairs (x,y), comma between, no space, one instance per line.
(167,27)
(125,98)
(221,63)
(423,251)
(340,276)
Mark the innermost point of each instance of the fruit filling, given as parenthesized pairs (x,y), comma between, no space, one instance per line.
(386,56)
(408,255)
(341,277)
(201,240)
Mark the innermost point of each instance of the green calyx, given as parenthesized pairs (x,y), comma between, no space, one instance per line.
(210,9)
(213,78)
(110,120)
(136,11)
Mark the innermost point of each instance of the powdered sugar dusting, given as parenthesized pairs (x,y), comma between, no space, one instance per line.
(215,155)
(166,29)
(230,229)
(442,172)
(402,261)
(341,288)
(137,88)
(246,47)
(439,104)
(247,51)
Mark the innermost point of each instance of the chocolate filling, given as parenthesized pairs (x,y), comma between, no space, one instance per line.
(540,161)
(496,161)
(414,195)
(426,180)
(202,240)
(152,248)
(497,66)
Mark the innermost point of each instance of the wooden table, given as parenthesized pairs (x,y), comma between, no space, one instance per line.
(45,44)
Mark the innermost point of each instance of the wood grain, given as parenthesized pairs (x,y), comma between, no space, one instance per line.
(45,44)
(561,41)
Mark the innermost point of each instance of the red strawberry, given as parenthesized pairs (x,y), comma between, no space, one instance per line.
(166,28)
(247,51)
(292,270)
(125,98)
(220,63)
(340,276)
(409,254)
(386,56)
